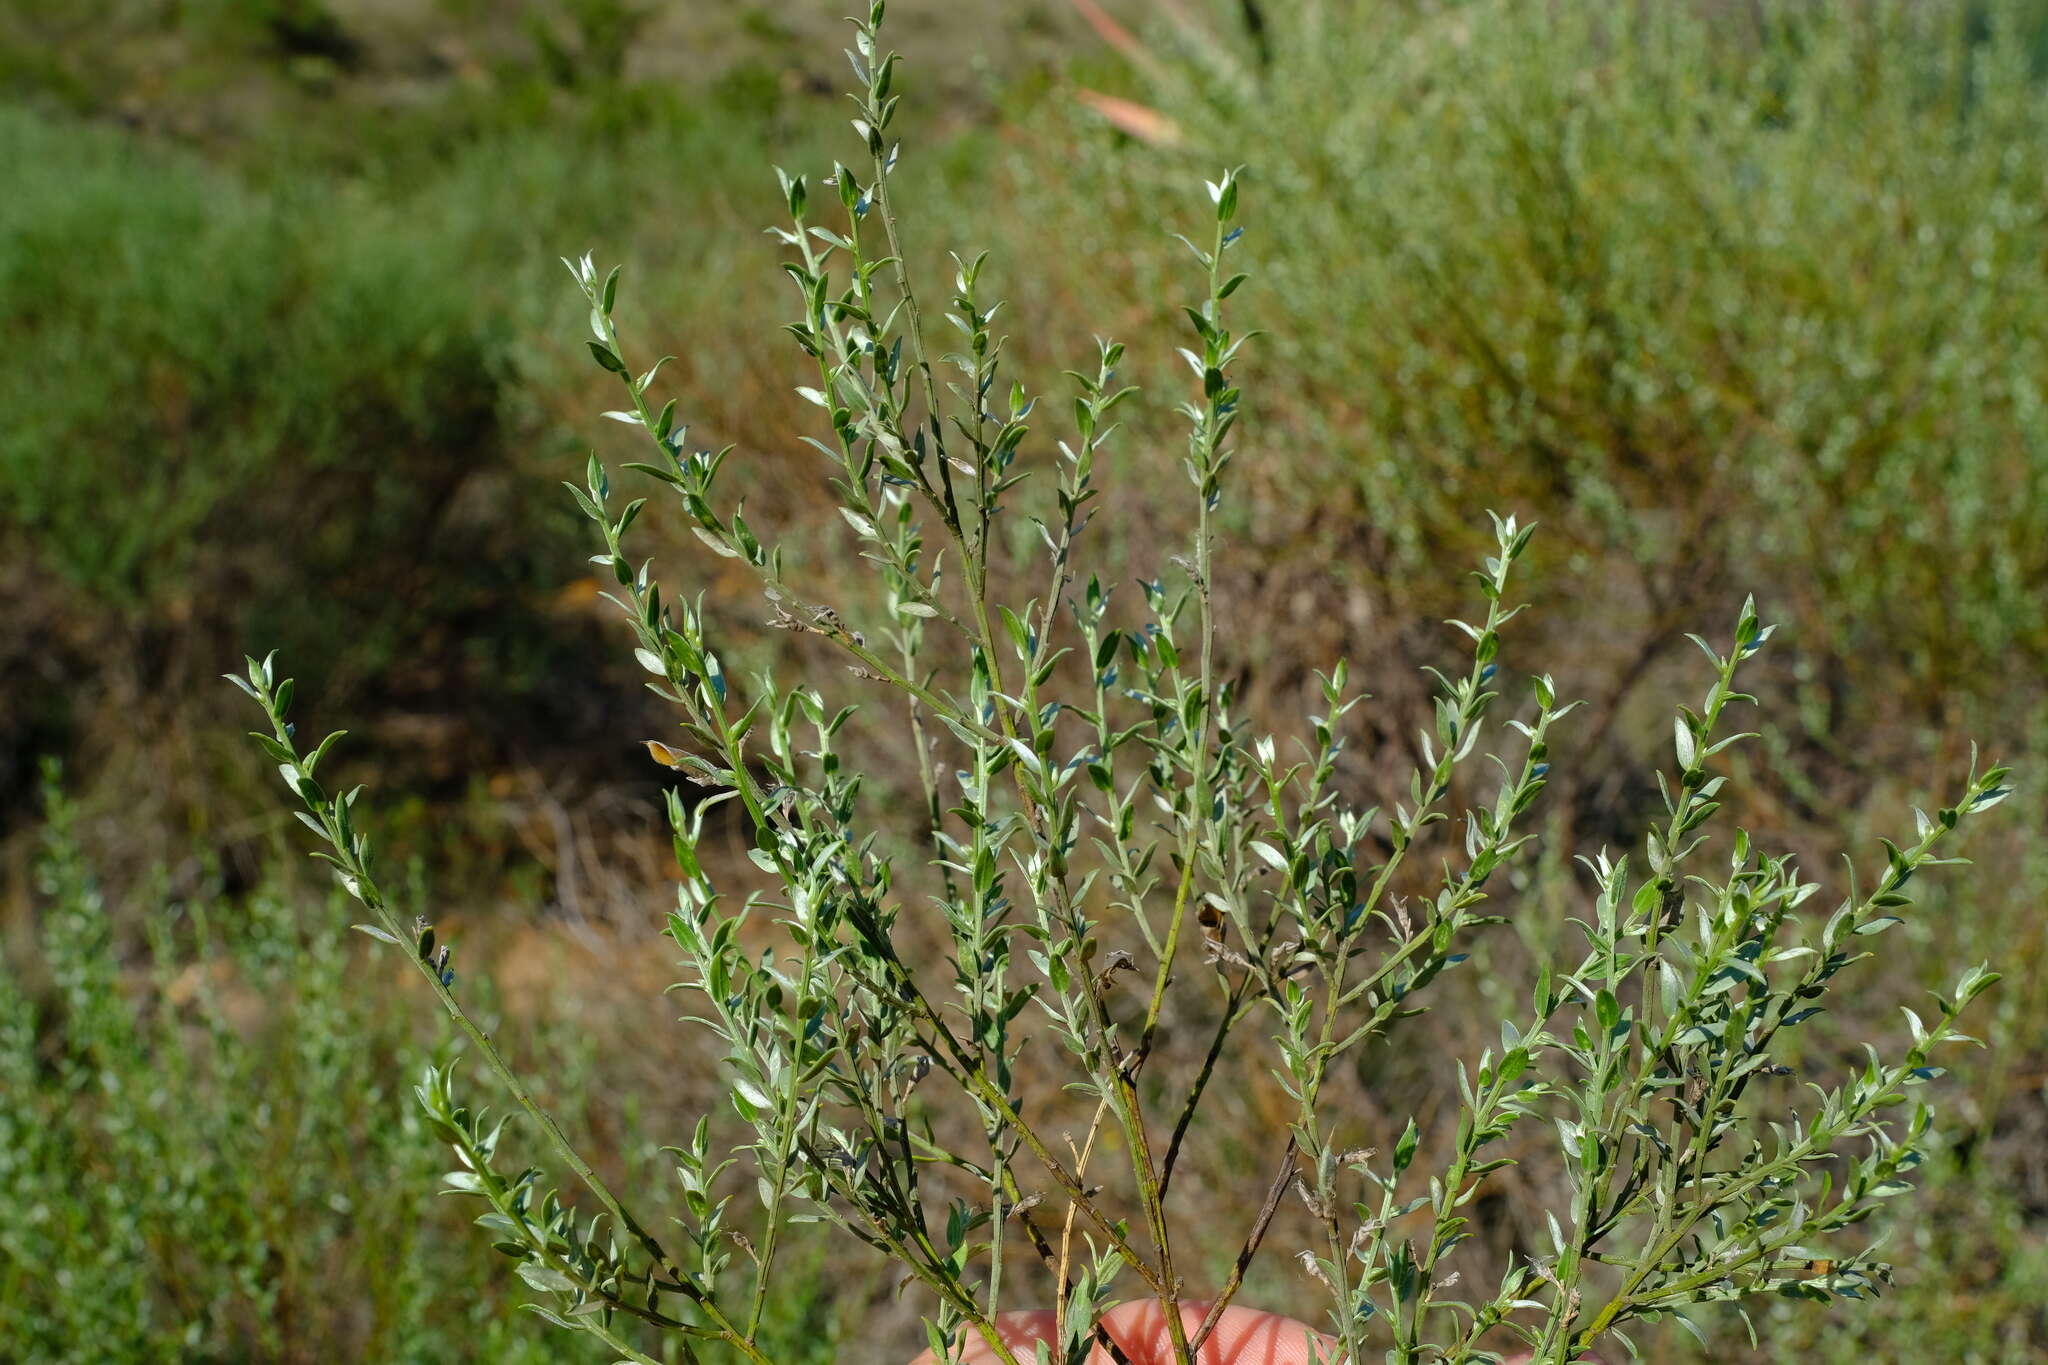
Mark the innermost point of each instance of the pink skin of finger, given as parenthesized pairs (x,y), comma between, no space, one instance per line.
(1243,1336)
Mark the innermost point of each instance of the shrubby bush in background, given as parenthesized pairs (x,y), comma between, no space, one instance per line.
(1729,294)
(202,1153)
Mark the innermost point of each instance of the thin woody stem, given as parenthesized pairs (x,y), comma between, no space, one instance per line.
(1249,1249)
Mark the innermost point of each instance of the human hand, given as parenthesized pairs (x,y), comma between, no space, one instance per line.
(1243,1336)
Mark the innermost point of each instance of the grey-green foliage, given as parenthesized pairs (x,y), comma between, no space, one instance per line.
(1104,838)
(193,1146)
(1724,291)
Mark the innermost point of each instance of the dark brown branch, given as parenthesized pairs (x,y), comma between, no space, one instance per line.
(1250,1249)
(1187,1109)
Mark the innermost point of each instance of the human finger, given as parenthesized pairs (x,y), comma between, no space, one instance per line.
(1243,1336)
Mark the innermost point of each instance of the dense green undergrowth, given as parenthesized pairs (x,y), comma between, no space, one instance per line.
(203,1154)
(209,1152)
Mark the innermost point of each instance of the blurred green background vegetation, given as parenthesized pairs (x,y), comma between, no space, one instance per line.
(1728,296)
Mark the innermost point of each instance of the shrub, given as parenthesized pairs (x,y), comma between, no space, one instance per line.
(247,415)
(1108,850)
(205,1155)
(1723,294)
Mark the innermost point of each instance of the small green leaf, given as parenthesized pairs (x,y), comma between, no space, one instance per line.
(1404,1149)
(546,1278)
